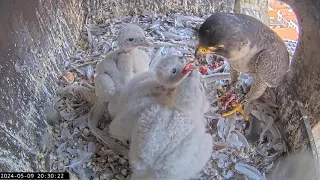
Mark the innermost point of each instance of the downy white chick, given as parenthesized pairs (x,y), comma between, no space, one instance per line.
(121,65)
(165,116)
(189,89)
(146,89)
(171,143)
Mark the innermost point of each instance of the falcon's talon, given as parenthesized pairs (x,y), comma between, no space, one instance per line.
(237,108)
(219,99)
(223,92)
(223,95)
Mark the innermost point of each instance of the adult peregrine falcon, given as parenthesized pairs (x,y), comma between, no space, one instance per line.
(249,46)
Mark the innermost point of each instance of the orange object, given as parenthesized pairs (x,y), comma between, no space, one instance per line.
(287,33)
(284,12)
(290,18)
(278,6)
(68,77)
(273,14)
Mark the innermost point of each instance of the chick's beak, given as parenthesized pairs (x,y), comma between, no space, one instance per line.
(188,67)
(145,43)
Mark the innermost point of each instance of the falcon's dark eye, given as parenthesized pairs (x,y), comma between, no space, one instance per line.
(174,70)
(130,39)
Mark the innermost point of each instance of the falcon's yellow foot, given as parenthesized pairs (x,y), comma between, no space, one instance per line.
(223,92)
(237,108)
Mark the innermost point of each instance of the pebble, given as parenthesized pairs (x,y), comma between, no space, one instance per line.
(86,132)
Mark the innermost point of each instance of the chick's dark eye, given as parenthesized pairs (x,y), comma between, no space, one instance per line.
(130,39)
(174,70)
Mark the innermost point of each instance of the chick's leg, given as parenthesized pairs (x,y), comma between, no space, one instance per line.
(256,90)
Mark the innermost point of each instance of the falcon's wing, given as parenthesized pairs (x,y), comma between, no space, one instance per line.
(272,65)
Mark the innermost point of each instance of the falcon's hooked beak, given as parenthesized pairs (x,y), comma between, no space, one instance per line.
(201,51)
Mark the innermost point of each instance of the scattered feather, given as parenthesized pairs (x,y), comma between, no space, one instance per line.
(249,171)
(83,157)
(46,141)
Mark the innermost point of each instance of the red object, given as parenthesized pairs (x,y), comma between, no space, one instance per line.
(230,101)
(67,77)
(200,57)
(203,70)
(214,65)
(187,68)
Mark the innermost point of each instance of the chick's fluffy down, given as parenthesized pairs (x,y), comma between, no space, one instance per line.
(166,144)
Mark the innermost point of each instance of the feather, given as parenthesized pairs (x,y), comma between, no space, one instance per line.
(46,141)
(83,157)
(249,171)
(242,139)
(233,140)
(269,122)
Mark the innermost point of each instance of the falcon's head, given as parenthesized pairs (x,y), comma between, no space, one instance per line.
(221,34)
